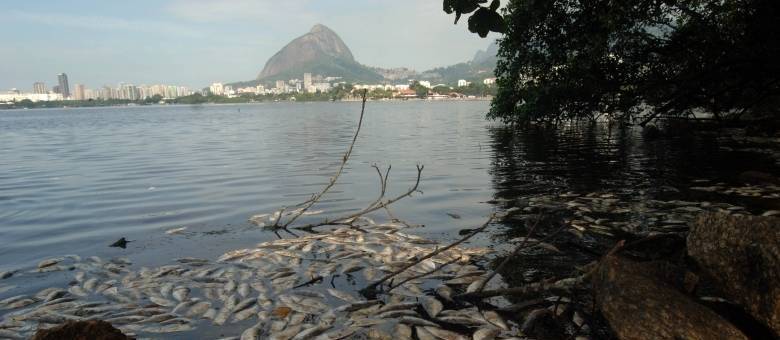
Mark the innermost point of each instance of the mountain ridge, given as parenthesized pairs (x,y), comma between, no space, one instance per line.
(322,52)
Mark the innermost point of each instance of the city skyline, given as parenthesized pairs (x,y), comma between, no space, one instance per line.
(199,42)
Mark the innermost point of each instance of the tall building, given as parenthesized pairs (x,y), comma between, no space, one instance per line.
(217,89)
(306,81)
(62,79)
(281,86)
(39,88)
(79,93)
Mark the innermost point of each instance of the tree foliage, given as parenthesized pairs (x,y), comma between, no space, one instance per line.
(632,59)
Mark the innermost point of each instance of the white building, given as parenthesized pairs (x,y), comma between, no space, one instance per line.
(425,83)
(463,83)
(217,89)
(489,81)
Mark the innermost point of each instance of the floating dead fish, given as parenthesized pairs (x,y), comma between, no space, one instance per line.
(175,231)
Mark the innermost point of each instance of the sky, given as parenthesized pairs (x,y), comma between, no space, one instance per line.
(197,42)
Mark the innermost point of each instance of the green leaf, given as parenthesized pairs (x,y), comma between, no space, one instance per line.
(495,5)
(484,21)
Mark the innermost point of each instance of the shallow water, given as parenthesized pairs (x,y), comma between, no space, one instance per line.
(75,180)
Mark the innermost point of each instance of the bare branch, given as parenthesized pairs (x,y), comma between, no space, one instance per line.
(371,208)
(316,197)
(425,274)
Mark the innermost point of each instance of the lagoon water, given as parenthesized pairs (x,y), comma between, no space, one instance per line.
(72,181)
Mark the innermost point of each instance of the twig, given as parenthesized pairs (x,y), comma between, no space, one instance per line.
(424,274)
(372,287)
(371,208)
(316,197)
(508,258)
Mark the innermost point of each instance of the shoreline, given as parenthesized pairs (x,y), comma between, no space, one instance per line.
(478,99)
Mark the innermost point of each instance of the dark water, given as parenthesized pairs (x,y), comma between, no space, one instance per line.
(74,180)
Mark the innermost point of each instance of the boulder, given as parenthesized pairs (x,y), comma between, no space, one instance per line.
(81,330)
(742,255)
(638,305)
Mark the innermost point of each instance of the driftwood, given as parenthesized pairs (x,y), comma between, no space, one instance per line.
(742,255)
(639,306)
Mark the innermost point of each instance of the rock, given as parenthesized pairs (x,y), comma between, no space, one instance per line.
(121,243)
(638,306)
(742,255)
(758,177)
(81,330)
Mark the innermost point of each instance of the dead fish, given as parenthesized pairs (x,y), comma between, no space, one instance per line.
(340,334)
(244,304)
(486,334)
(402,332)
(199,308)
(175,231)
(245,314)
(162,302)
(495,319)
(166,289)
(311,332)
(50,262)
(90,284)
(6,274)
(173,328)
(181,293)
(431,306)
(252,333)
(78,291)
(444,292)
(453,215)
(342,295)
(445,334)
(244,289)
(287,333)
(424,334)
(356,306)
(410,320)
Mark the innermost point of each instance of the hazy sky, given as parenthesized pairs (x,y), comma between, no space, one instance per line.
(196,42)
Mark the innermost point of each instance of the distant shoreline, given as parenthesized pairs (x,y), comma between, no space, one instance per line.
(97,105)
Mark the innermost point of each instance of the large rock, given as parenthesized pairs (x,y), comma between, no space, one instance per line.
(639,306)
(320,52)
(742,255)
(81,330)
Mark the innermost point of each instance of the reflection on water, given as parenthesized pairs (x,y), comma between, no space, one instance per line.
(76,180)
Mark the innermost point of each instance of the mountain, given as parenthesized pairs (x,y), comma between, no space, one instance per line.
(486,56)
(320,51)
(480,67)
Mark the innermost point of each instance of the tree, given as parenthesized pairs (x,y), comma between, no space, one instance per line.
(632,59)
(419,90)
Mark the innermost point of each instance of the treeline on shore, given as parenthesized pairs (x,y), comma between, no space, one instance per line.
(340,92)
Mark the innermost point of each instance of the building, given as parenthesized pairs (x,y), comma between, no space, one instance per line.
(307,81)
(217,89)
(425,83)
(281,86)
(79,93)
(62,79)
(463,83)
(39,88)
(489,81)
